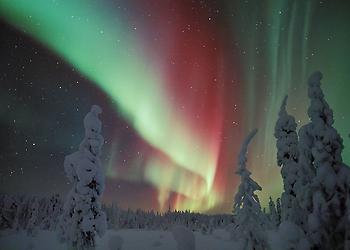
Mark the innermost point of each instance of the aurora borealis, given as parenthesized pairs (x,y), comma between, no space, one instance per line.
(188,80)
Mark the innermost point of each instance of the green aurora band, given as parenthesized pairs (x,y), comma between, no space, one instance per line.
(90,38)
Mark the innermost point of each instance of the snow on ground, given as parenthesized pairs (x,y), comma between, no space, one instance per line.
(129,239)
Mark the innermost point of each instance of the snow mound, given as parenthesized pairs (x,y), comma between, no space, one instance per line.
(115,242)
(157,243)
(184,238)
(287,236)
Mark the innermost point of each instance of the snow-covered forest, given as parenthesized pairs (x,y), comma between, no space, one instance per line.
(312,212)
(31,213)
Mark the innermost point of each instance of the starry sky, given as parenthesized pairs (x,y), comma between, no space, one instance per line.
(180,84)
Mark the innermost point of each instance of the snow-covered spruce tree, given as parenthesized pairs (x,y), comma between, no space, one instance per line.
(112,216)
(83,218)
(279,209)
(347,227)
(249,219)
(320,148)
(22,209)
(290,233)
(273,215)
(287,159)
(33,214)
(8,211)
(52,211)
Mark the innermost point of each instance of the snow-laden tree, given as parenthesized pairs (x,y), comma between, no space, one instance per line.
(347,227)
(112,215)
(279,209)
(273,215)
(33,216)
(8,211)
(287,159)
(286,135)
(21,213)
(320,148)
(83,217)
(249,219)
(52,211)
(288,237)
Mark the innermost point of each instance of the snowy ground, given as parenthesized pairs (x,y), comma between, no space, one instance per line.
(131,239)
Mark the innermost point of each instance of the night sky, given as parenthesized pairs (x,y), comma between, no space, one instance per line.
(180,84)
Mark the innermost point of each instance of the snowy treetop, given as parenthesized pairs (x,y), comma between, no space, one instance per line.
(319,108)
(242,157)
